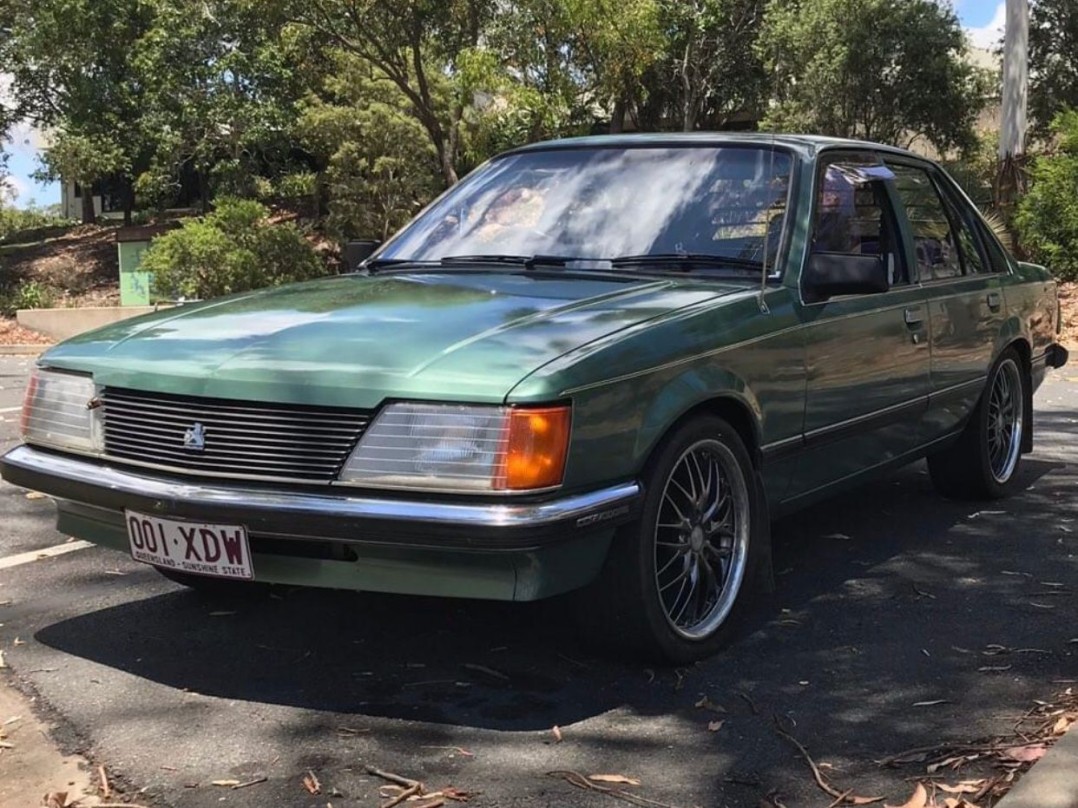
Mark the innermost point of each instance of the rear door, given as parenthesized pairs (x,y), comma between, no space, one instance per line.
(966,308)
(867,356)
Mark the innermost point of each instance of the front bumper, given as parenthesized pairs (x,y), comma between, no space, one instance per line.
(501,540)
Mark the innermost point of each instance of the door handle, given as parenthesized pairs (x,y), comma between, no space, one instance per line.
(913,316)
(994,300)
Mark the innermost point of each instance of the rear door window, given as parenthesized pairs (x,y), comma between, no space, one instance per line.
(934,237)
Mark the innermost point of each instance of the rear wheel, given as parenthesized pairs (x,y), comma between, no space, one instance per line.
(983,463)
(673,581)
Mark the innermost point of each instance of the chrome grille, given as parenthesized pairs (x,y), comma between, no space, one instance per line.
(248,439)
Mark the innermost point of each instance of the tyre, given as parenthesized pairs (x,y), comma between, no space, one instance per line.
(215,587)
(983,462)
(672,582)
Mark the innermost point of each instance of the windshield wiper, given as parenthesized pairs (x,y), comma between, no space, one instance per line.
(688,261)
(526,261)
(388,263)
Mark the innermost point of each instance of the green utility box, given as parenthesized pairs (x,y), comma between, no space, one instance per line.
(131,243)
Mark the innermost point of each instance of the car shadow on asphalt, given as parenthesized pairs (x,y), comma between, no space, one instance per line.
(865,579)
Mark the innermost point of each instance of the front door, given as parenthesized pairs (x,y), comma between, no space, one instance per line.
(867,356)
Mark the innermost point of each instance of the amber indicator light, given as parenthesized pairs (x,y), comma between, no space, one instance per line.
(537,444)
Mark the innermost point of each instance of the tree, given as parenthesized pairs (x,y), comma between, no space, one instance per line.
(884,70)
(379,166)
(419,45)
(70,68)
(711,59)
(85,159)
(223,80)
(1053,60)
(1047,218)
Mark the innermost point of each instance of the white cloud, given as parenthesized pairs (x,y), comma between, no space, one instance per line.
(989,35)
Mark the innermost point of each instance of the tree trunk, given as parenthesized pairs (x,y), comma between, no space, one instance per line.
(1012,135)
(129,200)
(89,215)
(617,120)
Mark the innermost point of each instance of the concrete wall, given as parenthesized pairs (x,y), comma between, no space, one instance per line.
(63,323)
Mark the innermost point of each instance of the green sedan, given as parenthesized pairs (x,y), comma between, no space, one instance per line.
(596,366)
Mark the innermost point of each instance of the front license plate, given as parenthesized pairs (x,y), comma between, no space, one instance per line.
(196,547)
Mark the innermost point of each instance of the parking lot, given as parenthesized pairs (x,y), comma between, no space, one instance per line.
(900,621)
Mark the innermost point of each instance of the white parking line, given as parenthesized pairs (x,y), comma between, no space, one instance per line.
(48,552)
(10,409)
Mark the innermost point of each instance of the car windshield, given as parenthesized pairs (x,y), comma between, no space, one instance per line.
(625,205)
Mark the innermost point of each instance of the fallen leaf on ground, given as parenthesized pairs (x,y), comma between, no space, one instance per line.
(965,787)
(1062,725)
(714,726)
(3,664)
(225,783)
(310,782)
(556,732)
(1026,754)
(35,495)
(55,799)
(707,704)
(919,799)
(456,794)
(614,778)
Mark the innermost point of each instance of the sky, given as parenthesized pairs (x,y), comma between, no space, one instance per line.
(983,20)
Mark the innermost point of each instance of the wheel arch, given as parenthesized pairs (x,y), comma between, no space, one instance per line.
(732,406)
(1020,345)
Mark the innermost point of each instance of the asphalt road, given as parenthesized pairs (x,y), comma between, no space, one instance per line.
(886,597)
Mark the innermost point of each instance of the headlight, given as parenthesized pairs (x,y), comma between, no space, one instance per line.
(57,412)
(462,448)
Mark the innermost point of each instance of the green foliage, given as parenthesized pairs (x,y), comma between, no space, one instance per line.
(27,295)
(1047,218)
(1053,60)
(233,249)
(17,224)
(380,164)
(82,158)
(876,69)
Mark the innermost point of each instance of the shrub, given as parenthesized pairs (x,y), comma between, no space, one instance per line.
(27,295)
(1047,219)
(233,249)
(17,225)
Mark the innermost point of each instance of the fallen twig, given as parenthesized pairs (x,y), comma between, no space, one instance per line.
(411,791)
(393,778)
(826,787)
(748,700)
(580,781)
(106,792)
(253,782)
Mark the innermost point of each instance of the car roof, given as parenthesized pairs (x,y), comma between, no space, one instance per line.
(806,145)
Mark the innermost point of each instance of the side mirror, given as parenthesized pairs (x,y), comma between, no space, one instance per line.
(355,253)
(830,274)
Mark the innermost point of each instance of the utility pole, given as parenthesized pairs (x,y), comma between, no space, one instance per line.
(1012,135)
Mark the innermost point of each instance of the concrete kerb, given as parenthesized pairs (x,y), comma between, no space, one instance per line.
(1052,782)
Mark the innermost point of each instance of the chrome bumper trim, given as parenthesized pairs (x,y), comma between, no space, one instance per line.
(96,483)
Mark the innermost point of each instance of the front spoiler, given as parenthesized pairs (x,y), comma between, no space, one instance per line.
(312,514)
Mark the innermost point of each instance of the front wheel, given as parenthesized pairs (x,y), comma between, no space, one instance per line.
(983,462)
(673,581)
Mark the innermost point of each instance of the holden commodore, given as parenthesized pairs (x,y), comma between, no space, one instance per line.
(596,365)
